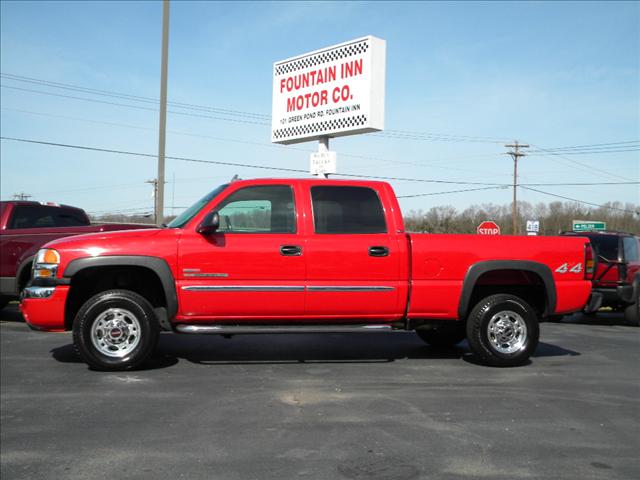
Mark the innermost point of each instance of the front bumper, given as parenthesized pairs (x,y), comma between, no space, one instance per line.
(43,307)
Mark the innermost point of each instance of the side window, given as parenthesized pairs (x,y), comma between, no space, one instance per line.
(630,245)
(347,210)
(41,216)
(261,209)
(32,216)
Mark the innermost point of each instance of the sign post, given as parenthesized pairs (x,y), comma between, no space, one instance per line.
(488,228)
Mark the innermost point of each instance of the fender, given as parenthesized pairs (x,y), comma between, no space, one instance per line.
(478,269)
(20,270)
(157,265)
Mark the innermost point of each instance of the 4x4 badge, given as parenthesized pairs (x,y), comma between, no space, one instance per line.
(564,268)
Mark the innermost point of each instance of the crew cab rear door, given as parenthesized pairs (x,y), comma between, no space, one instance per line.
(253,266)
(353,255)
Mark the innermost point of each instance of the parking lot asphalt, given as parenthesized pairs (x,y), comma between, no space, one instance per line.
(358,406)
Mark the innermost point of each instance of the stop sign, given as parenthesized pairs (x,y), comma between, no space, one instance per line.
(488,228)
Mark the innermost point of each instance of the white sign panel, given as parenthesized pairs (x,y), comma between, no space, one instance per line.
(331,92)
(323,163)
(533,226)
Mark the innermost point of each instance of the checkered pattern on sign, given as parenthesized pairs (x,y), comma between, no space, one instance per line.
(320,58)
(325,126)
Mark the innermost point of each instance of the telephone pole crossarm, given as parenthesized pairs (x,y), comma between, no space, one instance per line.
(515,154)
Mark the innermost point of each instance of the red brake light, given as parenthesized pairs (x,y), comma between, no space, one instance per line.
(589,262)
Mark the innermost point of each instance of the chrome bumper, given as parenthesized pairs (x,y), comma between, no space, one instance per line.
(37,292)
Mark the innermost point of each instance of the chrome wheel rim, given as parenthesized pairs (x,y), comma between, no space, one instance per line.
(115,332)
(507,332)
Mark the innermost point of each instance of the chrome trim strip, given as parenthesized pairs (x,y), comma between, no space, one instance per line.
(281,288)
(37,292)
(251,329)
(216,275)
(244,288)
(348,289)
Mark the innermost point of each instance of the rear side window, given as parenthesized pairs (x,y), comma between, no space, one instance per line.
(630,246)
(41,216)
(347,210)
(606,246)
(260,209)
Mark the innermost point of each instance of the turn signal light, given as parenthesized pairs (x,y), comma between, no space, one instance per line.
(46,263)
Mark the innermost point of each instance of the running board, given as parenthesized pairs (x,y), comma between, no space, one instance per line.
(251,329)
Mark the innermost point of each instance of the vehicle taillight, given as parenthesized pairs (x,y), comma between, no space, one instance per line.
(589,262)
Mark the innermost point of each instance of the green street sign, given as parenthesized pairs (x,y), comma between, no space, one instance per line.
(586,226)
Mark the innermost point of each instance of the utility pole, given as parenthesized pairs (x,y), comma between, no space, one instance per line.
(515,154)
(159,211)
(154,182)
(21,196)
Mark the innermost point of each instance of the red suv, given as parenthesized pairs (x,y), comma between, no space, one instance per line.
(617,275)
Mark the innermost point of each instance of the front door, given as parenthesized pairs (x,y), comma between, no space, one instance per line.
(253,266)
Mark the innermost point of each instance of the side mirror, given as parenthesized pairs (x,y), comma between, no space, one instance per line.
(210,223)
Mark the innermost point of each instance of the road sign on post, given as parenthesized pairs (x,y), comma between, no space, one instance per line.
(588,226)
(533,227)
(488,228)
(323,163)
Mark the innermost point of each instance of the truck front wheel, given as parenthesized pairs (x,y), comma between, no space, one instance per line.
(115,330)
(502,330)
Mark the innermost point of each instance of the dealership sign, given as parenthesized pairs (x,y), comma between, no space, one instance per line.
(331,92)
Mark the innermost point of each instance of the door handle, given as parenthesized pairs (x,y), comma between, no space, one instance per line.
(378,251)
(290,250)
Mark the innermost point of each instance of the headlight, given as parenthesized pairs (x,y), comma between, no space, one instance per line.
(46,263)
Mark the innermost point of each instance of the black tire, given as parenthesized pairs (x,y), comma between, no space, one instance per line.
(443,335)
(115,330)
(632,314)
(511,316)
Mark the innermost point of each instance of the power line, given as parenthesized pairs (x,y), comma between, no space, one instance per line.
(590,168)
(582,201)
(271,145)
(594,152)
(138,107)
(452,191)
(292,170)
(136,98)
(594,145)
(403,134)
(242,165)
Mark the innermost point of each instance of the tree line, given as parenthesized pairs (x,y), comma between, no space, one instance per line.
(554,217)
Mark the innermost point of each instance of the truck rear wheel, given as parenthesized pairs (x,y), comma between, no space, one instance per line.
(502,330)
(443,335)
(115,330)
(632,313)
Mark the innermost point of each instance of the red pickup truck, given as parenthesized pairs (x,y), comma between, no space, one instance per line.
(27,226)
(293,255)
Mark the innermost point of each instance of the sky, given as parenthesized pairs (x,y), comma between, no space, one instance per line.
(468,77)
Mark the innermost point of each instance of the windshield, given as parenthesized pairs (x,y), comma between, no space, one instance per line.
(182,219)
